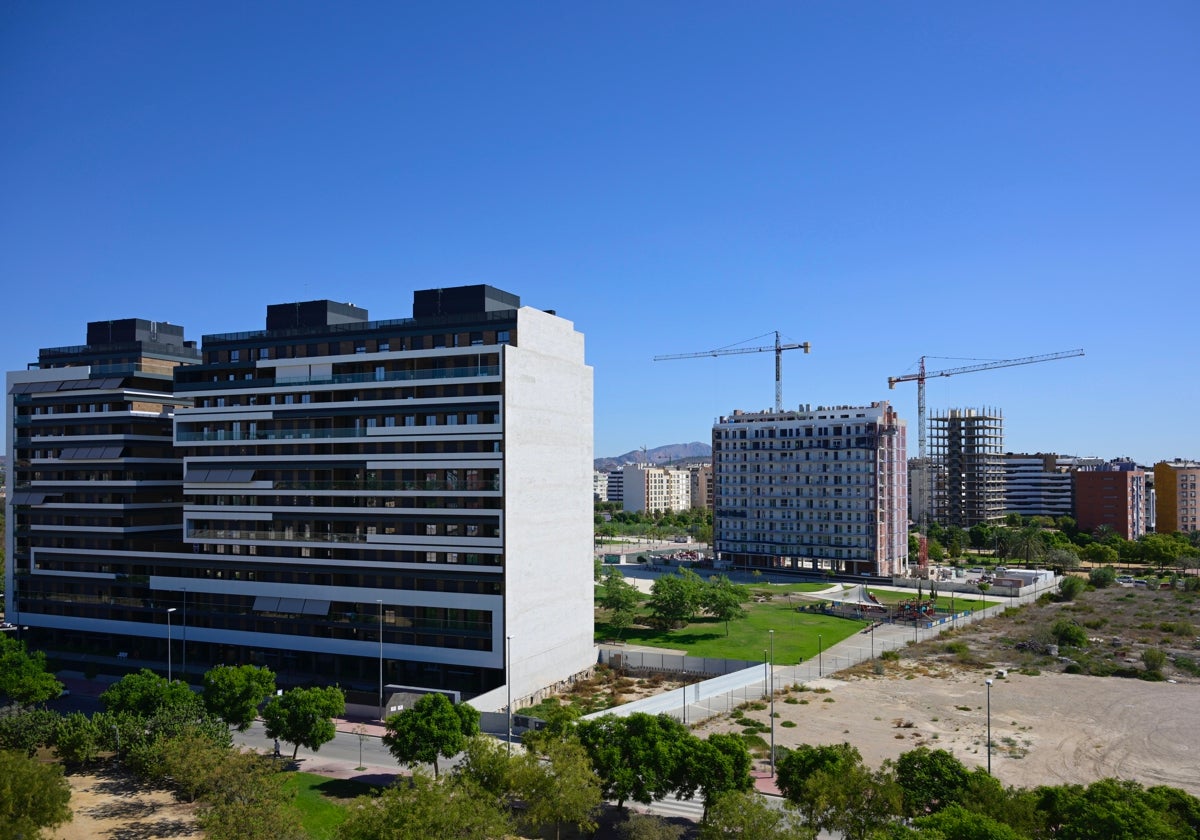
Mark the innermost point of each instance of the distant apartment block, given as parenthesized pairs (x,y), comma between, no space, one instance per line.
(1177,506)
(701,481)
(599,486)
(615,487)
(925,482)
(812,490)
(1111,494)
(648,489)
(329,496)
(967,444)
(1038,484)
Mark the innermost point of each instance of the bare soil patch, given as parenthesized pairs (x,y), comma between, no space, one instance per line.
(110,805)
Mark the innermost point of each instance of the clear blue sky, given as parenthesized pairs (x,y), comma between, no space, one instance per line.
(970,180)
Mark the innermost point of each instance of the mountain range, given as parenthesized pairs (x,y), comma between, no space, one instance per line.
(672,453)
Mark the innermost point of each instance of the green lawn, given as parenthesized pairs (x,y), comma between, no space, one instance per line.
(322,801)
(797,634)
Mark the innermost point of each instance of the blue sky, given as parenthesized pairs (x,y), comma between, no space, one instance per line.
(884,180)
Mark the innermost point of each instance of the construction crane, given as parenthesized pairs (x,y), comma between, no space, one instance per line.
(921,375)
(778,347)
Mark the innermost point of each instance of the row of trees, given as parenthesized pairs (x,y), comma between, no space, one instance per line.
(1060,543)
(611,521)
(674,600)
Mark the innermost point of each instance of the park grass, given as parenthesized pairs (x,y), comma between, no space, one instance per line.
(321,801)
(799,635)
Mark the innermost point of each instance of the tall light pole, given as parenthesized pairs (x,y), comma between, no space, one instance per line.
(872,639)
(772,635)
(380,602)
(508,682)
(820,663)
(183,633)
(169,611)
(989,725)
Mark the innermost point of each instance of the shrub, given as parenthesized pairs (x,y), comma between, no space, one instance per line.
(1102,577)
(1154,659)
(1070,587)
(1068,633)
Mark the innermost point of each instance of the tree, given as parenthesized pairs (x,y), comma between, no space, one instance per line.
(638,757)
(1062,558)
(193,762)
(28,729)
(748,817)
(955,540)
(1098,552)
(854,802)
(621,599)
(717,765)
(1107,810)
(957,822)
(1028,545)
(723,599)
(23,675)
(563,789)
(145,693)
(674,599)
(424,809)
(246,800)
(303,717)
(648,827)
(797,767)
(76,740)
(33,796)
(433,727)
(980,536)
(930,779)
(1068,633)
(234,693)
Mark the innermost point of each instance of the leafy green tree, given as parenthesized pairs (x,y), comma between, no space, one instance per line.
(980,536)
(1107,810)
(33,796)
(1163,550)
(1102,577)
(723,599)
(638,757)
(802,775)
(424,809)
(955,821)
(617,593)
(28,729)
(303,717)
(234,693)
(855,803)
(76,740)
(674,599)
(562,789)
(246,800)
(717,765)
(434,727)
(487,765)
(914,546)
(145,693)
(647,827)
(23,675)
(955,540)
(748,817)
(1062,558)
(193,762)
(929,779)
(1098,552)
(937,553)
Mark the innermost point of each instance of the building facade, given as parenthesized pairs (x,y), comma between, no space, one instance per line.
(1111,495)
(648,489)
(1038,484)
(821,490)
(383,501)
(700,478)
(967,445)
(1177,506)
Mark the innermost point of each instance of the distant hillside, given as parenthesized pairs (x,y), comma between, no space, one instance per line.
(673,453)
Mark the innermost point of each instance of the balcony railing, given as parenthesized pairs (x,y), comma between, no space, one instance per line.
(343,379)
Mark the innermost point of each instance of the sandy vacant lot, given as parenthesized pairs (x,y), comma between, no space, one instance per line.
(112,807)
(1048,729)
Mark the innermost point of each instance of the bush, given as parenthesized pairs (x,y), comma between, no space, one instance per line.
(1070,587)
(1068,633)
(1154,659)
(1102,577)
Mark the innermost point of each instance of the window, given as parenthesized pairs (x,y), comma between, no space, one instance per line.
(431,530)
(235,355)
(264,353)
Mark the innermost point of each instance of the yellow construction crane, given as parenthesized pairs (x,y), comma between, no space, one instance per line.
(921,375)
(778,347)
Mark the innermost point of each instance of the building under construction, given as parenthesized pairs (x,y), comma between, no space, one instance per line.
(966,447)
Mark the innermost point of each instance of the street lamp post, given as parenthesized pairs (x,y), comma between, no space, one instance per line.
(772,669)
(872,639)
(989,725)
(820,662)
(183,635)
(169,611)
(380,602)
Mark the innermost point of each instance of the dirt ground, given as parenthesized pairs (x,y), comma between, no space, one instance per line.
(1047,729)
(110,806)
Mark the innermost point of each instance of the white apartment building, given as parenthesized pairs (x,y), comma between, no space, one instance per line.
(599,486)
(1038,484)
(812,490)
(648,489)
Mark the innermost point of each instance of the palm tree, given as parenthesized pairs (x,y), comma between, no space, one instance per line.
(1028,544)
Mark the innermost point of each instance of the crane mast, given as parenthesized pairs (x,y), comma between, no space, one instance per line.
(921,375)
(778,347)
